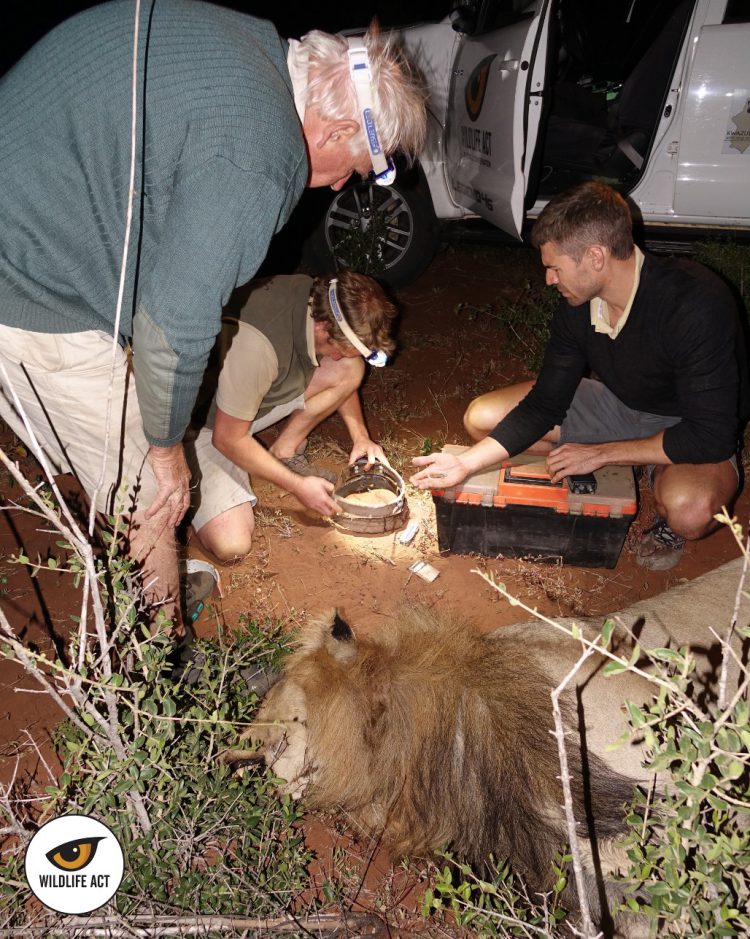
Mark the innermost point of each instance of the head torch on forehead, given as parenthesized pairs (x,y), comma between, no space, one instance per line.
(374,356)
(383,170)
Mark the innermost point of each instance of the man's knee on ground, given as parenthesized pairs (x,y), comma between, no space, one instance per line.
(228,539)
(227,549)
(689,497)
(688,513)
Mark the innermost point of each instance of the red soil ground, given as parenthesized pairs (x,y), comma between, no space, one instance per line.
(302,564)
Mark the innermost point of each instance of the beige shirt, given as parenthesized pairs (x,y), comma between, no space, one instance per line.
(599,310)
(250,368)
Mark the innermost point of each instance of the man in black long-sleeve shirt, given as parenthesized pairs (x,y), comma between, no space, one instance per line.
(662,338)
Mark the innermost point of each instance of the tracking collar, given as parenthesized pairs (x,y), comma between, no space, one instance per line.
(383,170)
(374,356)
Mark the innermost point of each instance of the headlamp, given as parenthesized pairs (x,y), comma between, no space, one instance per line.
(375,357)
(386,177)
(383,170)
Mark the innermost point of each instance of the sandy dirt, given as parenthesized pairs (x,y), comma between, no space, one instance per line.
(302,564)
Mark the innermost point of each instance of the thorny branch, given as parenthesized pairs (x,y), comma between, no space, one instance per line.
(355,924)
(736,530)
(588,930)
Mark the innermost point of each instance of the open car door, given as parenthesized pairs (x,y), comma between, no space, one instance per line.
(495,108)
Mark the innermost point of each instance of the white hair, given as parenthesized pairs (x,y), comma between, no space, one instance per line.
(398,90)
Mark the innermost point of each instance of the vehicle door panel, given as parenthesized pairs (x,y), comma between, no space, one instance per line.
(713,179)
(493,117)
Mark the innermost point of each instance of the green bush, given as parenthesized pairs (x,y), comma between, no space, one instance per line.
(689,844)
(217,844)
(731,261)
(497,903)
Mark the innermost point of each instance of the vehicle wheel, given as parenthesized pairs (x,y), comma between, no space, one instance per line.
(389,232)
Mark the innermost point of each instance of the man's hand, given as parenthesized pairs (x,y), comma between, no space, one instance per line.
(314,493)
(575,459)
(173,482)
(363,446)
(442,470)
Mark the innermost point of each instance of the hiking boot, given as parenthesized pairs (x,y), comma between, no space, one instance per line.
(197,587)
(188,662)
(298,464)
(259,680)
(659,549)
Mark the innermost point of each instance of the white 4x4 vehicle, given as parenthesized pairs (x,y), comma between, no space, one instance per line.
(528,98)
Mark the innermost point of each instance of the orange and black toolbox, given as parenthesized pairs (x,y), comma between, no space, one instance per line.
(514,510)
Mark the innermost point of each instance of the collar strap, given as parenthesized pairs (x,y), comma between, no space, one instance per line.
(359,70)
(374,356)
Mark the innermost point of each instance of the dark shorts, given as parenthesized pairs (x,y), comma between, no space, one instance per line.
(597,416)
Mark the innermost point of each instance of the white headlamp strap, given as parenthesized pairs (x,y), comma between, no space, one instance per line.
(359,70)
(374,356)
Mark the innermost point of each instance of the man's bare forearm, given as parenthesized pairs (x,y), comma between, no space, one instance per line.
(353,417)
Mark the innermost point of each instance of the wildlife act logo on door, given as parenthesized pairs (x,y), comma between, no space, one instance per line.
(74,864)
(476,87)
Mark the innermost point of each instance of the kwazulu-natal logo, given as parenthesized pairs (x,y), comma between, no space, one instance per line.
(477,86)
(737,138)
(74,864)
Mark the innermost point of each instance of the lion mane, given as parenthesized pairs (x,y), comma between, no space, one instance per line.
(429,735)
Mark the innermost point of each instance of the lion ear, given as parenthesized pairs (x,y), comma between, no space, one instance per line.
(340,629)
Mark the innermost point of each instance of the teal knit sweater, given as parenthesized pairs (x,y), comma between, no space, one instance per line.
(221,164)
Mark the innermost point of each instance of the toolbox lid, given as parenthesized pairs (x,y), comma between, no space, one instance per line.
(524,480)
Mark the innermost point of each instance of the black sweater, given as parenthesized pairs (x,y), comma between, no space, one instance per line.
(681,353)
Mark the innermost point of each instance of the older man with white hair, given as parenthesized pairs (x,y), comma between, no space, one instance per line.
(232,123)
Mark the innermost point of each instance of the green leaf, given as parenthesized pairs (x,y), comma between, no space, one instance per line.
(734,770)
(717,803)
(607,631)
(666,655)
(169,707)
(637,717)
(614,668)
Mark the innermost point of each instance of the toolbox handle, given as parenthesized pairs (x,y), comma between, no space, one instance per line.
(512,475)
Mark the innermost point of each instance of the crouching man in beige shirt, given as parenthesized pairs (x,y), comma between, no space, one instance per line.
(294,351)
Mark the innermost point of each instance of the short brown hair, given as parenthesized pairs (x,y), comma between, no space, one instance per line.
(589,214)
(365,305)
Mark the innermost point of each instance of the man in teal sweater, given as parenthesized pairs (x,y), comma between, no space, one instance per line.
(231,123)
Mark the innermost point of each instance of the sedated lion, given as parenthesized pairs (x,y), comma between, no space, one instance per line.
(432,735)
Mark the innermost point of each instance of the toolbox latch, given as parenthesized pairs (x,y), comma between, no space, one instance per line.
(584,484)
